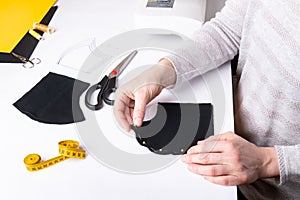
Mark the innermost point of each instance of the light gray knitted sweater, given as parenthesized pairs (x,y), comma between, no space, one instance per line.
(266,33)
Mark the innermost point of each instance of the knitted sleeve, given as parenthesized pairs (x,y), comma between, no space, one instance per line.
(216,42)
(289,162)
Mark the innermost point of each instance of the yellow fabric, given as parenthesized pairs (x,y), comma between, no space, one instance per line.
(17,17)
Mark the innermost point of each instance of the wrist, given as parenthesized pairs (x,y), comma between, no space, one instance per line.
(270,166)
(167,71)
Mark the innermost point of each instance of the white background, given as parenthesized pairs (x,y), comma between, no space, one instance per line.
(74,22)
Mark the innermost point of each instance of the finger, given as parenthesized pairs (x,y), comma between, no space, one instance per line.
(227,180)
(121,112)
(128,115)
(122,120)
(139,108)
(128,112)
(123,123)
(209,170)
(225,136)
(209,146)
(204,159)
(206,145)
(131,103)
(210,138)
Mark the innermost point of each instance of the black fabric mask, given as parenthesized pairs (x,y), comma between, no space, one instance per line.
(176,127)
(54,100)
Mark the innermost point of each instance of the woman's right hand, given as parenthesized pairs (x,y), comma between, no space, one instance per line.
(132,98)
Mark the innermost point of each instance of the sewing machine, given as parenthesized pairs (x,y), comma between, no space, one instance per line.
(176,15)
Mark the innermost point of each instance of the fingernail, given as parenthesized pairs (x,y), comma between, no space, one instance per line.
(137,121)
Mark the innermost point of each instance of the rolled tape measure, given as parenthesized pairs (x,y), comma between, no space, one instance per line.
(67,149)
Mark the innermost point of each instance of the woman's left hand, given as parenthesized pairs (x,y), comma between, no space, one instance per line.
(228,159)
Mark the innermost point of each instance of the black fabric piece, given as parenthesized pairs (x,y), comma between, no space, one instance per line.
(240,195)
(54,100)
(28,43)
(176,127)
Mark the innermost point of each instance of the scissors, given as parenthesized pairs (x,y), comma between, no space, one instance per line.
(107,85)
(26,62)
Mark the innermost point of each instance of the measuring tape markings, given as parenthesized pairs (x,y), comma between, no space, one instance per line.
(67,149)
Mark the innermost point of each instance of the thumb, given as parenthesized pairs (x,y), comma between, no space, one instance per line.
(139,108)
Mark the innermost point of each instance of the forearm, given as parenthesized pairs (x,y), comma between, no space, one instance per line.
(215,43)
(166,71)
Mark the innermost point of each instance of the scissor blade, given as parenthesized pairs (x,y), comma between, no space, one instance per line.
(21,58)
(122,65)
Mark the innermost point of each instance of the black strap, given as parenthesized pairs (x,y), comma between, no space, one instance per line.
(28,43)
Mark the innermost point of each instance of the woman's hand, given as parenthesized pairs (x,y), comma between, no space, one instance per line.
(228,159)
(131,98)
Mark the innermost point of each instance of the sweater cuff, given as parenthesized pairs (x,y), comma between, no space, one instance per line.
(289,163)
(184,69)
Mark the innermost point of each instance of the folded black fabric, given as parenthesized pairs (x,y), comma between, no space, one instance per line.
(28,43)
(54,100)
(176,127)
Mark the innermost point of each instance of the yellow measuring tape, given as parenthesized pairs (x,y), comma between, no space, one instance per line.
(67,149)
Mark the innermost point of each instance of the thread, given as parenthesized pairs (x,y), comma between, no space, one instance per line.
(35,34)
(42,27)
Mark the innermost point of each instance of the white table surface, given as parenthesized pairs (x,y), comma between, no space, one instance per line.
(76,21)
